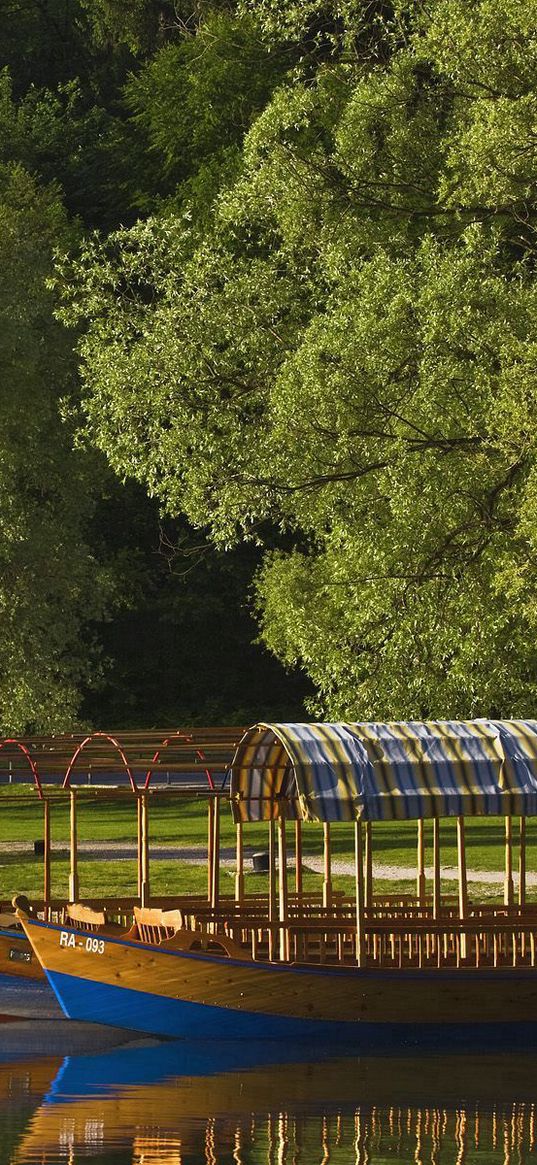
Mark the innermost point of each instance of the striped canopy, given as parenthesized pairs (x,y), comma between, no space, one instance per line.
(384,772)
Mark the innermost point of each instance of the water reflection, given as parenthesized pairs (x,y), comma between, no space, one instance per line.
(181,1104)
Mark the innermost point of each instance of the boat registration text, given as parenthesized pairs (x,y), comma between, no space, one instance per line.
(94,946)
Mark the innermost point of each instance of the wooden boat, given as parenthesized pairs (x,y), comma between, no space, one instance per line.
(16,954)
(62,769)
(290,966)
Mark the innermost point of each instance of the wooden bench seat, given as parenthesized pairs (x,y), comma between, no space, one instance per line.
(87,918)
(84,917)
(164,928)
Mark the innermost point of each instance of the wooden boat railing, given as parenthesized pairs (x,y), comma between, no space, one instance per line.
(452,942)
(196,911)
(493,936)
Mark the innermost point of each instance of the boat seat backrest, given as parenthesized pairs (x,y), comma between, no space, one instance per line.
(84,917)
(154,925)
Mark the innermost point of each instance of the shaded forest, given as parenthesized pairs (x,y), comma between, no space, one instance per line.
(113,613)
(267,345)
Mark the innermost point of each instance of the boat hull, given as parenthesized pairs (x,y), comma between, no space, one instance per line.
(17,957)
(169,992)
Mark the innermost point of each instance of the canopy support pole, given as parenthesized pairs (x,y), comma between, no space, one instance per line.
(139,843)
(463,885)
(239,876)
(272,888)
(359,884)
(46,858)
(508,887)
(144,897)
(215,879)
(522,864)
(210,848)
(327,866)
(436,868)
(298,859)
(282,892)
(420,878)
(73,849)
(368,865)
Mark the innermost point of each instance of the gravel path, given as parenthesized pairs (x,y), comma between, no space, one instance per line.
(197,855)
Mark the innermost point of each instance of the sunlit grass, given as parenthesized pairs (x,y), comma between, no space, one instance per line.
(181,823)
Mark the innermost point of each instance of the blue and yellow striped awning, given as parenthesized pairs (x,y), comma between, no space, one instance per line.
(385,772)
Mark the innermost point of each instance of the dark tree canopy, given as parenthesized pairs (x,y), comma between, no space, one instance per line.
(107,612)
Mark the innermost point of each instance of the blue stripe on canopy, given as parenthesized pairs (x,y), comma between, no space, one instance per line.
(381,772)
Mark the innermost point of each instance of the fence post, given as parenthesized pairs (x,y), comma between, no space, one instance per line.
(282,891)
(420,879)
(239,875)
(522,864)
(463,886)
(436,868)
(272,887)
(327,866)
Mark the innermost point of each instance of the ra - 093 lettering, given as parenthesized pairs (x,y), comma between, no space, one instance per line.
(94,946)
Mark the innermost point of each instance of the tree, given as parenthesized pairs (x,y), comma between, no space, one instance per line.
(51,584)
(142,25)
(97,625)
(348,357)
(96,158)
(46,43)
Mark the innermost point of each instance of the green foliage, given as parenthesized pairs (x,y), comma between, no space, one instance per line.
(42,41)
(96,623)
(94,155)
(195,99)
(47,43)
(144,26)
(347,357)
(489,53)
(51,585)
(141,24)
(314,32)
(61,114)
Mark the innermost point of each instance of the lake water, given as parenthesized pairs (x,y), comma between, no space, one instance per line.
(198,1104)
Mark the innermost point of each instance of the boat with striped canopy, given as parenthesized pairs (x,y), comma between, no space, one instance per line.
(290,963)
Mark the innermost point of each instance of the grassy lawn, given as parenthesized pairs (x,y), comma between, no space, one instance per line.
(98,876)
(174,821)
(178,822)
